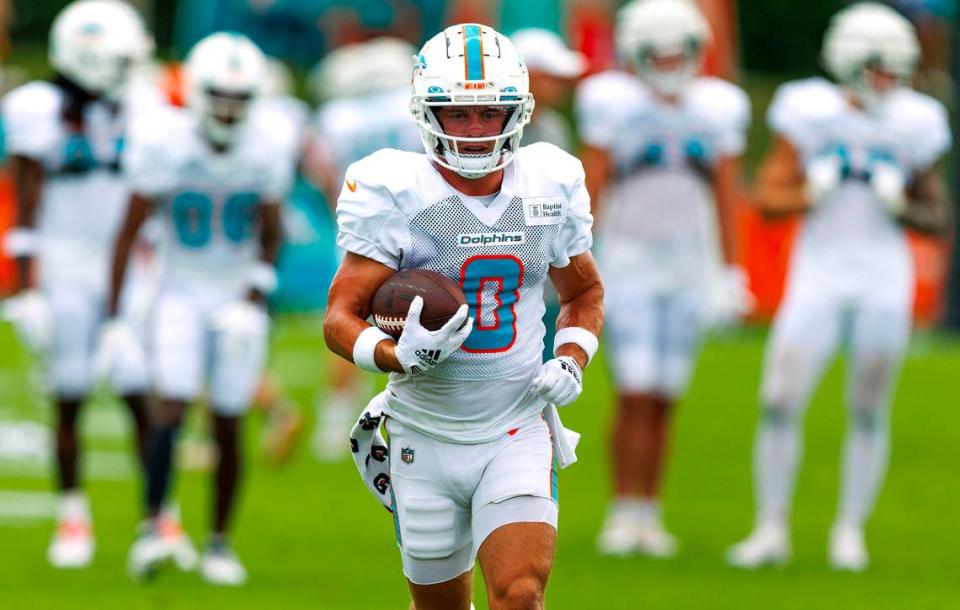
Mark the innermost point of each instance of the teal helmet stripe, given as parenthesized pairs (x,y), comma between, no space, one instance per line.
(473,52)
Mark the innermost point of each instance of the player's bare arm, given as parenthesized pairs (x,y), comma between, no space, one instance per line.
(271,234)
(780,181)
(28,179)
(598,167)
(927,210)
(581,301)
(348,307)
(138,210)
(726,184)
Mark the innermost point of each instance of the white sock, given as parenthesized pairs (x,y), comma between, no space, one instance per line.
(777,455)
(642,509)
(74,506)
(865,457)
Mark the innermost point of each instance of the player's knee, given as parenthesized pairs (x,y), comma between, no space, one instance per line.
(777,414)
(524,592)
(170,414)
(870,389)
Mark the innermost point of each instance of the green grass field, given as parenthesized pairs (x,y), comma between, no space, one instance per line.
(311,536)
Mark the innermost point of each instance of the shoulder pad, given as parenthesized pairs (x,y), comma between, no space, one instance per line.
(37,98)
(387,168)
(925,124)
(721,101)
(551,161)
(609,89)
(798,104)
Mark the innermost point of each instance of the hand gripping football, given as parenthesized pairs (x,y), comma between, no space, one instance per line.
(441,300)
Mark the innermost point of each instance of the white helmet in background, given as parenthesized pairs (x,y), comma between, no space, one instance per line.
(354,70)
(470,65)
(225,73)
(649,29)
(869,36)
(96,43)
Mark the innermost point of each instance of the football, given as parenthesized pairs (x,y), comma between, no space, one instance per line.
(441,300)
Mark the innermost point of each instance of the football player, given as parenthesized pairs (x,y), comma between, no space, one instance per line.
(366,88)
(64,137)
(661,149)
(216,171)
(858,157)
(465,404)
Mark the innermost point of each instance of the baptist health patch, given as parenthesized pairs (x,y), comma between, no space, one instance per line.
(480,240)
(542,211)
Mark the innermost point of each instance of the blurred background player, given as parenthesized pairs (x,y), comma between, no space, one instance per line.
(859,157)
(217,171)
(64,138)
(553,70)
(465,404)
(365,89)
(661,148)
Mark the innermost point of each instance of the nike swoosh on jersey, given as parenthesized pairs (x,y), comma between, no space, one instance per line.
(352,186)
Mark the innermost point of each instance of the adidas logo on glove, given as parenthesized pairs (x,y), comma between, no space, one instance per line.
(429,356)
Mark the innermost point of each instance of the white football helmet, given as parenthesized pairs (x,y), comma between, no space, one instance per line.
(865,36)
(225,73)
(354,70)
(470,65)
(96,43)
(649,29)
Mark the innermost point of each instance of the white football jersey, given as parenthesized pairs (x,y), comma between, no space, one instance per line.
(84,195)
(208,200)
(397,209)
(658,222)
(849,241)
(349,129)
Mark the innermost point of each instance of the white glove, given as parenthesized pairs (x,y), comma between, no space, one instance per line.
(117,348)
(889,186)
(559,381)
(31,317)
(824,174)
(419,349)
(240,326)
(728,298)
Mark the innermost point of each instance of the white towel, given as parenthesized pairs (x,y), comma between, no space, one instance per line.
(370,452)
(564,440)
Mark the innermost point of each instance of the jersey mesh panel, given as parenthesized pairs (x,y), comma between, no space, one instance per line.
(434,246)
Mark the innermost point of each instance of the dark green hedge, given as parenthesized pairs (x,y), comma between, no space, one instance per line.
(783,35)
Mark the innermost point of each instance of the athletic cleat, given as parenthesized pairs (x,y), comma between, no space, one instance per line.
(220,566)
(848,551)
(147,554)
(624,534)
(72,545)
(178,546)
(654,540)
(768,544)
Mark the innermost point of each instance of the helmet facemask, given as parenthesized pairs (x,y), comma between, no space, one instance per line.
(473,156)
(225,111)
(225,75)
(873,83)
(668,71)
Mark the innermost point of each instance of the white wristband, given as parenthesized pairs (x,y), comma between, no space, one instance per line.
(366,347)
(582,337)
(20,241)
(262,277)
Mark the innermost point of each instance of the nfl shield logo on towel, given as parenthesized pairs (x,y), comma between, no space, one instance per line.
(406,455)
